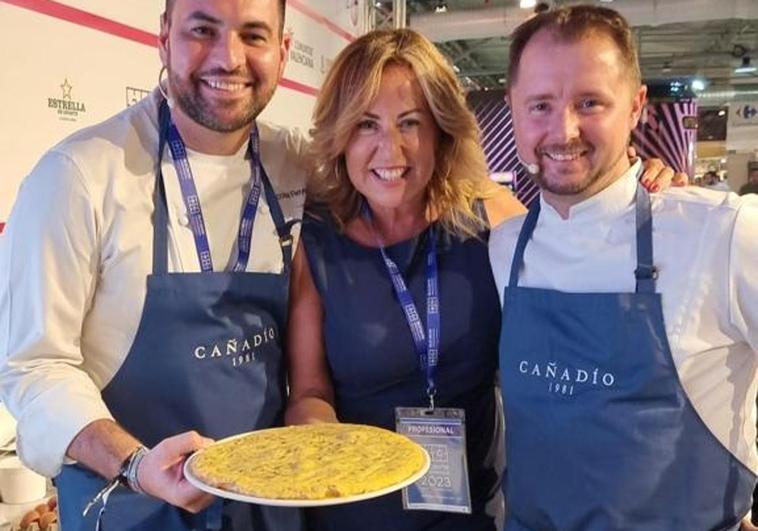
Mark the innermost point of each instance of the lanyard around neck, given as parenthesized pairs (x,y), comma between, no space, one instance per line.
(426,345)
(194,210)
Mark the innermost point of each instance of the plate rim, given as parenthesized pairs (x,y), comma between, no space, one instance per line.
(299,502)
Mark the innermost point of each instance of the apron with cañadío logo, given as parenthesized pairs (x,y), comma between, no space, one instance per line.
(207,356)
(600,434)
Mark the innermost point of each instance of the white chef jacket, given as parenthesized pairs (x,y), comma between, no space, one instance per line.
(705,245)
(78,247)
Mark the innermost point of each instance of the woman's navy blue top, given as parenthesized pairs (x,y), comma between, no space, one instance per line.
(374,367)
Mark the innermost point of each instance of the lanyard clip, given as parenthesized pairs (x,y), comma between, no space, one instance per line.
(102,495)
(431,391)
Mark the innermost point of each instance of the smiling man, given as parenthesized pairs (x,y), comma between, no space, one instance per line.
(148,263)
(630,323)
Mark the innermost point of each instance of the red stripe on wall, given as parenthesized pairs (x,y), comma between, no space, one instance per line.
(88,20)
(111,27)
(299,87)
(315,16)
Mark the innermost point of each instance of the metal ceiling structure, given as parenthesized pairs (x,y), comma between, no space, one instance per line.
(678,39)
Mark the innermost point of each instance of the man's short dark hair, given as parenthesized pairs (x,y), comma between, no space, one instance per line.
(570,24)
(282,10)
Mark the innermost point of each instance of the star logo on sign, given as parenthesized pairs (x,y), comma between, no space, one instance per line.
(66,88)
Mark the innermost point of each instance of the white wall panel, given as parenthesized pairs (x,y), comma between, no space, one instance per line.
(39,54)
(68,64)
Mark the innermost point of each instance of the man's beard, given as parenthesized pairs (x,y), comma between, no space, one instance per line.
(557,185)
(187,95)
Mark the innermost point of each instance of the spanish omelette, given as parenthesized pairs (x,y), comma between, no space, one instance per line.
(310,462)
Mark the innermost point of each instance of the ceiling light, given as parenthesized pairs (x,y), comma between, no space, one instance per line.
(527,4)
(698,85)
(745,67)
(722,112)
(441,7)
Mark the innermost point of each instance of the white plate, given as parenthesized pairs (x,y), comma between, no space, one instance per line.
(197,482)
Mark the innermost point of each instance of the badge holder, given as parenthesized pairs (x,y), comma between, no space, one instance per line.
(442,432)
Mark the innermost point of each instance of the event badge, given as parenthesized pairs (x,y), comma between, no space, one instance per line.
(442,432)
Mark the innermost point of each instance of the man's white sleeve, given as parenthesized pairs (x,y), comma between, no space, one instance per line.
(743,272)
(50,255)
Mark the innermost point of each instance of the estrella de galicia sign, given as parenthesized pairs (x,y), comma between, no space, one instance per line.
(66,106)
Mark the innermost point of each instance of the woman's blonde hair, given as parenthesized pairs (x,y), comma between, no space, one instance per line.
(460,175)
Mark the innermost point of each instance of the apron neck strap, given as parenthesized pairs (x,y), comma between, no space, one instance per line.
(526,233)
(283,228)
(160,212)
(646,273)
(160,215)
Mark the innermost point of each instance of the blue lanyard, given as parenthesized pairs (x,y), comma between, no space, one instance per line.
(426,345)
(192,201)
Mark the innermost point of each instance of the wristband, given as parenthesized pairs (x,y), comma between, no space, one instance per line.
(127,474)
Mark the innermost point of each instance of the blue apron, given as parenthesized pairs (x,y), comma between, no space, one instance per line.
(600,434)
(207,356)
